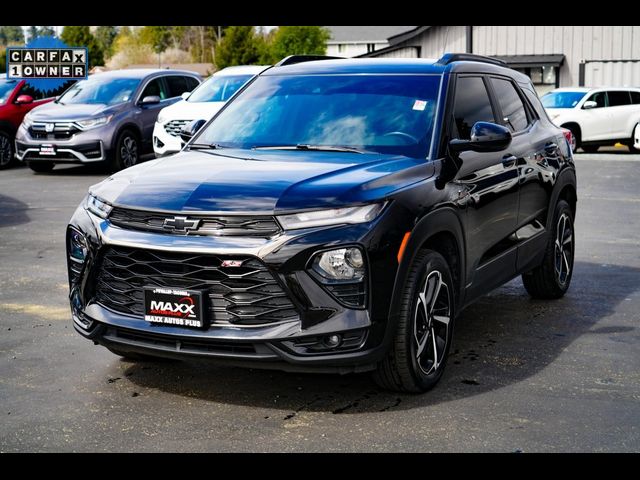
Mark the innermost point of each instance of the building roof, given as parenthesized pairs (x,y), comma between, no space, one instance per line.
(364,34)
(521,61)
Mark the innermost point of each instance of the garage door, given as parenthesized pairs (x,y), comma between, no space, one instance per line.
(612,74)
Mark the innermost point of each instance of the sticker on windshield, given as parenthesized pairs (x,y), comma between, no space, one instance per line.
(420,105)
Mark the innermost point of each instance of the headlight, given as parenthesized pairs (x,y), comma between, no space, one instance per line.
(27,121)
(346,264)
(93,122)
(161,117)
(334,216)
(97,206)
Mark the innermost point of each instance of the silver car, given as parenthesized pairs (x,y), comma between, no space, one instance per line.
(107,118)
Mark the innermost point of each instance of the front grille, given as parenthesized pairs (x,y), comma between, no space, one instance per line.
(61,131)
(252,226)
(174,127)
(246,295)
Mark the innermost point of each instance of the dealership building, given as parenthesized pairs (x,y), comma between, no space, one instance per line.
(553,56)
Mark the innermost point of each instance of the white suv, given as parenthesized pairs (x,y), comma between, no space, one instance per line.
(597,116)
(201,104)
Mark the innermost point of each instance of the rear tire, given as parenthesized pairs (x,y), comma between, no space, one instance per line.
(7,159)
(634,143)
(41,167)
(552,278)
(418,354)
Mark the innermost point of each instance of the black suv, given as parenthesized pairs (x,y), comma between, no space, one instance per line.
(335,216)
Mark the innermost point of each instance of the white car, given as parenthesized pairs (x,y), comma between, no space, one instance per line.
(597,116)
(201,104)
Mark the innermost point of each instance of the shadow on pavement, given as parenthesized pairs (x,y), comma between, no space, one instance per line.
(12,212)
(502,339)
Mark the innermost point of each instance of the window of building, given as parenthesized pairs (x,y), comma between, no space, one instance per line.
(513,110)
(342,48)
(472,105)
(543,75)
(371,47)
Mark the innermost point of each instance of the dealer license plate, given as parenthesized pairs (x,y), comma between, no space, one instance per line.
(174,306)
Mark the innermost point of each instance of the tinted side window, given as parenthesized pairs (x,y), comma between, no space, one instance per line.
(600,98)
(471,105)
(513,110)
(618,98)
(177,85)
(154,88)
(635,98)
(191,83)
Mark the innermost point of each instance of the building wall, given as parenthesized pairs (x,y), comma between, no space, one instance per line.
(352,49)
(577,43)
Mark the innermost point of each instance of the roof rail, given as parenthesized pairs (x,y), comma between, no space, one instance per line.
(292,59)
(448,58)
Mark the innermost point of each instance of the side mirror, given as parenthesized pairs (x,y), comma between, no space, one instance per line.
(589,104)
(485,137)
(24,99)
(150,100)
(190,129)
(185,95)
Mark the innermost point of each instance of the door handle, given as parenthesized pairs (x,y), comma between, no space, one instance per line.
(551,147)
(509,160)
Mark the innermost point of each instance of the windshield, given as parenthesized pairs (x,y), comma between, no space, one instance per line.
(218,89)
(107,90)
(6,87)
(381,113)
(562,99)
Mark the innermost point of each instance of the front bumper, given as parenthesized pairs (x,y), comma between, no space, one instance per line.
(295,344)
(90,146)
(165,143)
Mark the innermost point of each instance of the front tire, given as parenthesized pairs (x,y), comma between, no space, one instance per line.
(552,278)
(7,159)
(41,167)
(420,348)
(127,151)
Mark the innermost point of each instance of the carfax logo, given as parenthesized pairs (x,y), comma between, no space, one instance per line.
(47,63)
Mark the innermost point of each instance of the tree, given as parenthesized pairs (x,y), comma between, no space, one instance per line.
(156,36)
(299,40)
(105,36)
(46,32)
(239,46)
(32,32)
(11,35)
(80,36)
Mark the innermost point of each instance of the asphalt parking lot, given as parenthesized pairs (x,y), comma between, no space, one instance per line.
(524,376)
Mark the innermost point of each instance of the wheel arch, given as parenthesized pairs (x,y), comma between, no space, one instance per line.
(565,189)
(126,126)
(440,231)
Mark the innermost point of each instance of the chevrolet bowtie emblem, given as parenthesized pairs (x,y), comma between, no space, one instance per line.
(180,224)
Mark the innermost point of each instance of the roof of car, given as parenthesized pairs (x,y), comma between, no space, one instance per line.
(387,65)
(241,70)
(592,89)
(140,73)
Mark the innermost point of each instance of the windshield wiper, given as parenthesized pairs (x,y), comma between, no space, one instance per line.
(319,148)
(206,146)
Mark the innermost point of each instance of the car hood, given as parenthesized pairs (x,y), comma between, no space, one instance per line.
(184,110)
(244,181)
(56,111)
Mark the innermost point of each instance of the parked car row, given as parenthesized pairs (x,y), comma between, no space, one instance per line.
(597,116)
(112,118)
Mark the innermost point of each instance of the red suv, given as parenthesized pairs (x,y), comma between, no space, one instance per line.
(16,100)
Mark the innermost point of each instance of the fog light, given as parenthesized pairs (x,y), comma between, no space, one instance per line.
(341,264)
(333,341)
(77,246)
